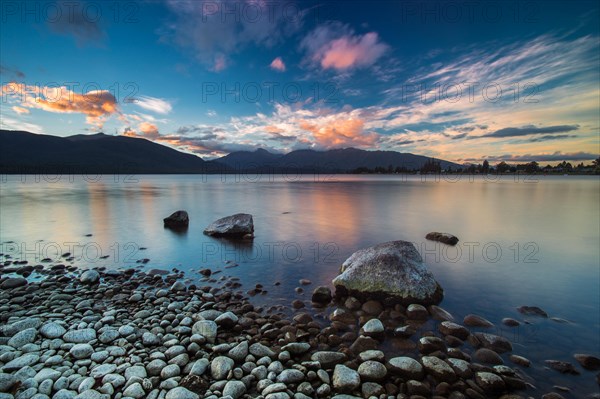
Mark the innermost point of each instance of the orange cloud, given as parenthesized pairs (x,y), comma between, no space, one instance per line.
(278,64)
(129,132)
(146,131)
(149,130)
(20,110)
(96,105)
(346,132)
(273,129)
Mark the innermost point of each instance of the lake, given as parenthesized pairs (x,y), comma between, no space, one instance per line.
(523,240)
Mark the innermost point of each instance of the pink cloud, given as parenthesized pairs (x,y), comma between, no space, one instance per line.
(220,63)
(348,52)
(335,46)
(278,64)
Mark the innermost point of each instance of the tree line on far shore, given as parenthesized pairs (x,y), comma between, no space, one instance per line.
(433,166)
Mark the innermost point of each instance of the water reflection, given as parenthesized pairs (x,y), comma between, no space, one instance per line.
(306,229)
(179,231)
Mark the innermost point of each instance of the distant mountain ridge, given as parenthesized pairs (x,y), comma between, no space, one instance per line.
(25,152)
(337,160)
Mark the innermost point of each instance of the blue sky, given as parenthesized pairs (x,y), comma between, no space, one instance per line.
(458,80)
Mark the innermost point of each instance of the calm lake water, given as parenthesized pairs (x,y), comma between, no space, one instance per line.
(523,241)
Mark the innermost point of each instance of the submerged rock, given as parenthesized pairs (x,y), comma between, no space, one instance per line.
(473,320)
(562,367)
(588,362)
(444,238)
(532,311)
(321,294)
(237,225)
(394,269)
(177,219)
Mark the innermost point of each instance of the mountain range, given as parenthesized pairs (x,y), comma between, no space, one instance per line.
(25,152)
(337,160)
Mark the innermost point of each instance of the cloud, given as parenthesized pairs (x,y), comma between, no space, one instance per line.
(129,132)
(210,148)
(528,130)
(455,136)
(340,132)
(282,137)
(12,71)
(277,134)
(468,129)
(220,63)
(549,137)
(336,46)
(211,112)
(149,130)
(207,132)
(14,124)
(557,156)
(158,105)
(78,19)
(146,130)
(278,65)
(404,142)
(213,32)
(20,110)
(96,105)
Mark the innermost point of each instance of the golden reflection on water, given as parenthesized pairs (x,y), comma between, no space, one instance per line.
(100,211)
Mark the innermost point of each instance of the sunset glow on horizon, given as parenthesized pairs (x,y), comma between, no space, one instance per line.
(460,81)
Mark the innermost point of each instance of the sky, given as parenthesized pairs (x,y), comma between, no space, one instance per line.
(464,81)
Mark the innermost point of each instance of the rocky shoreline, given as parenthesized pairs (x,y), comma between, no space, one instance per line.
(136,334)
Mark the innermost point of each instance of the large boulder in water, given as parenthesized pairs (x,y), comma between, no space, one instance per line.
(177,219)
(392,269)
(238,225)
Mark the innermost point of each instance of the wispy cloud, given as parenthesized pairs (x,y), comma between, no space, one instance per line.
(14,124)
(528,130)
(11,71)
(550,137)
(217,30)
(20,110)
(76,19)
(158,105)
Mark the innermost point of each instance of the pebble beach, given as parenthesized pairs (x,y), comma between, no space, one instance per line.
(152,334)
